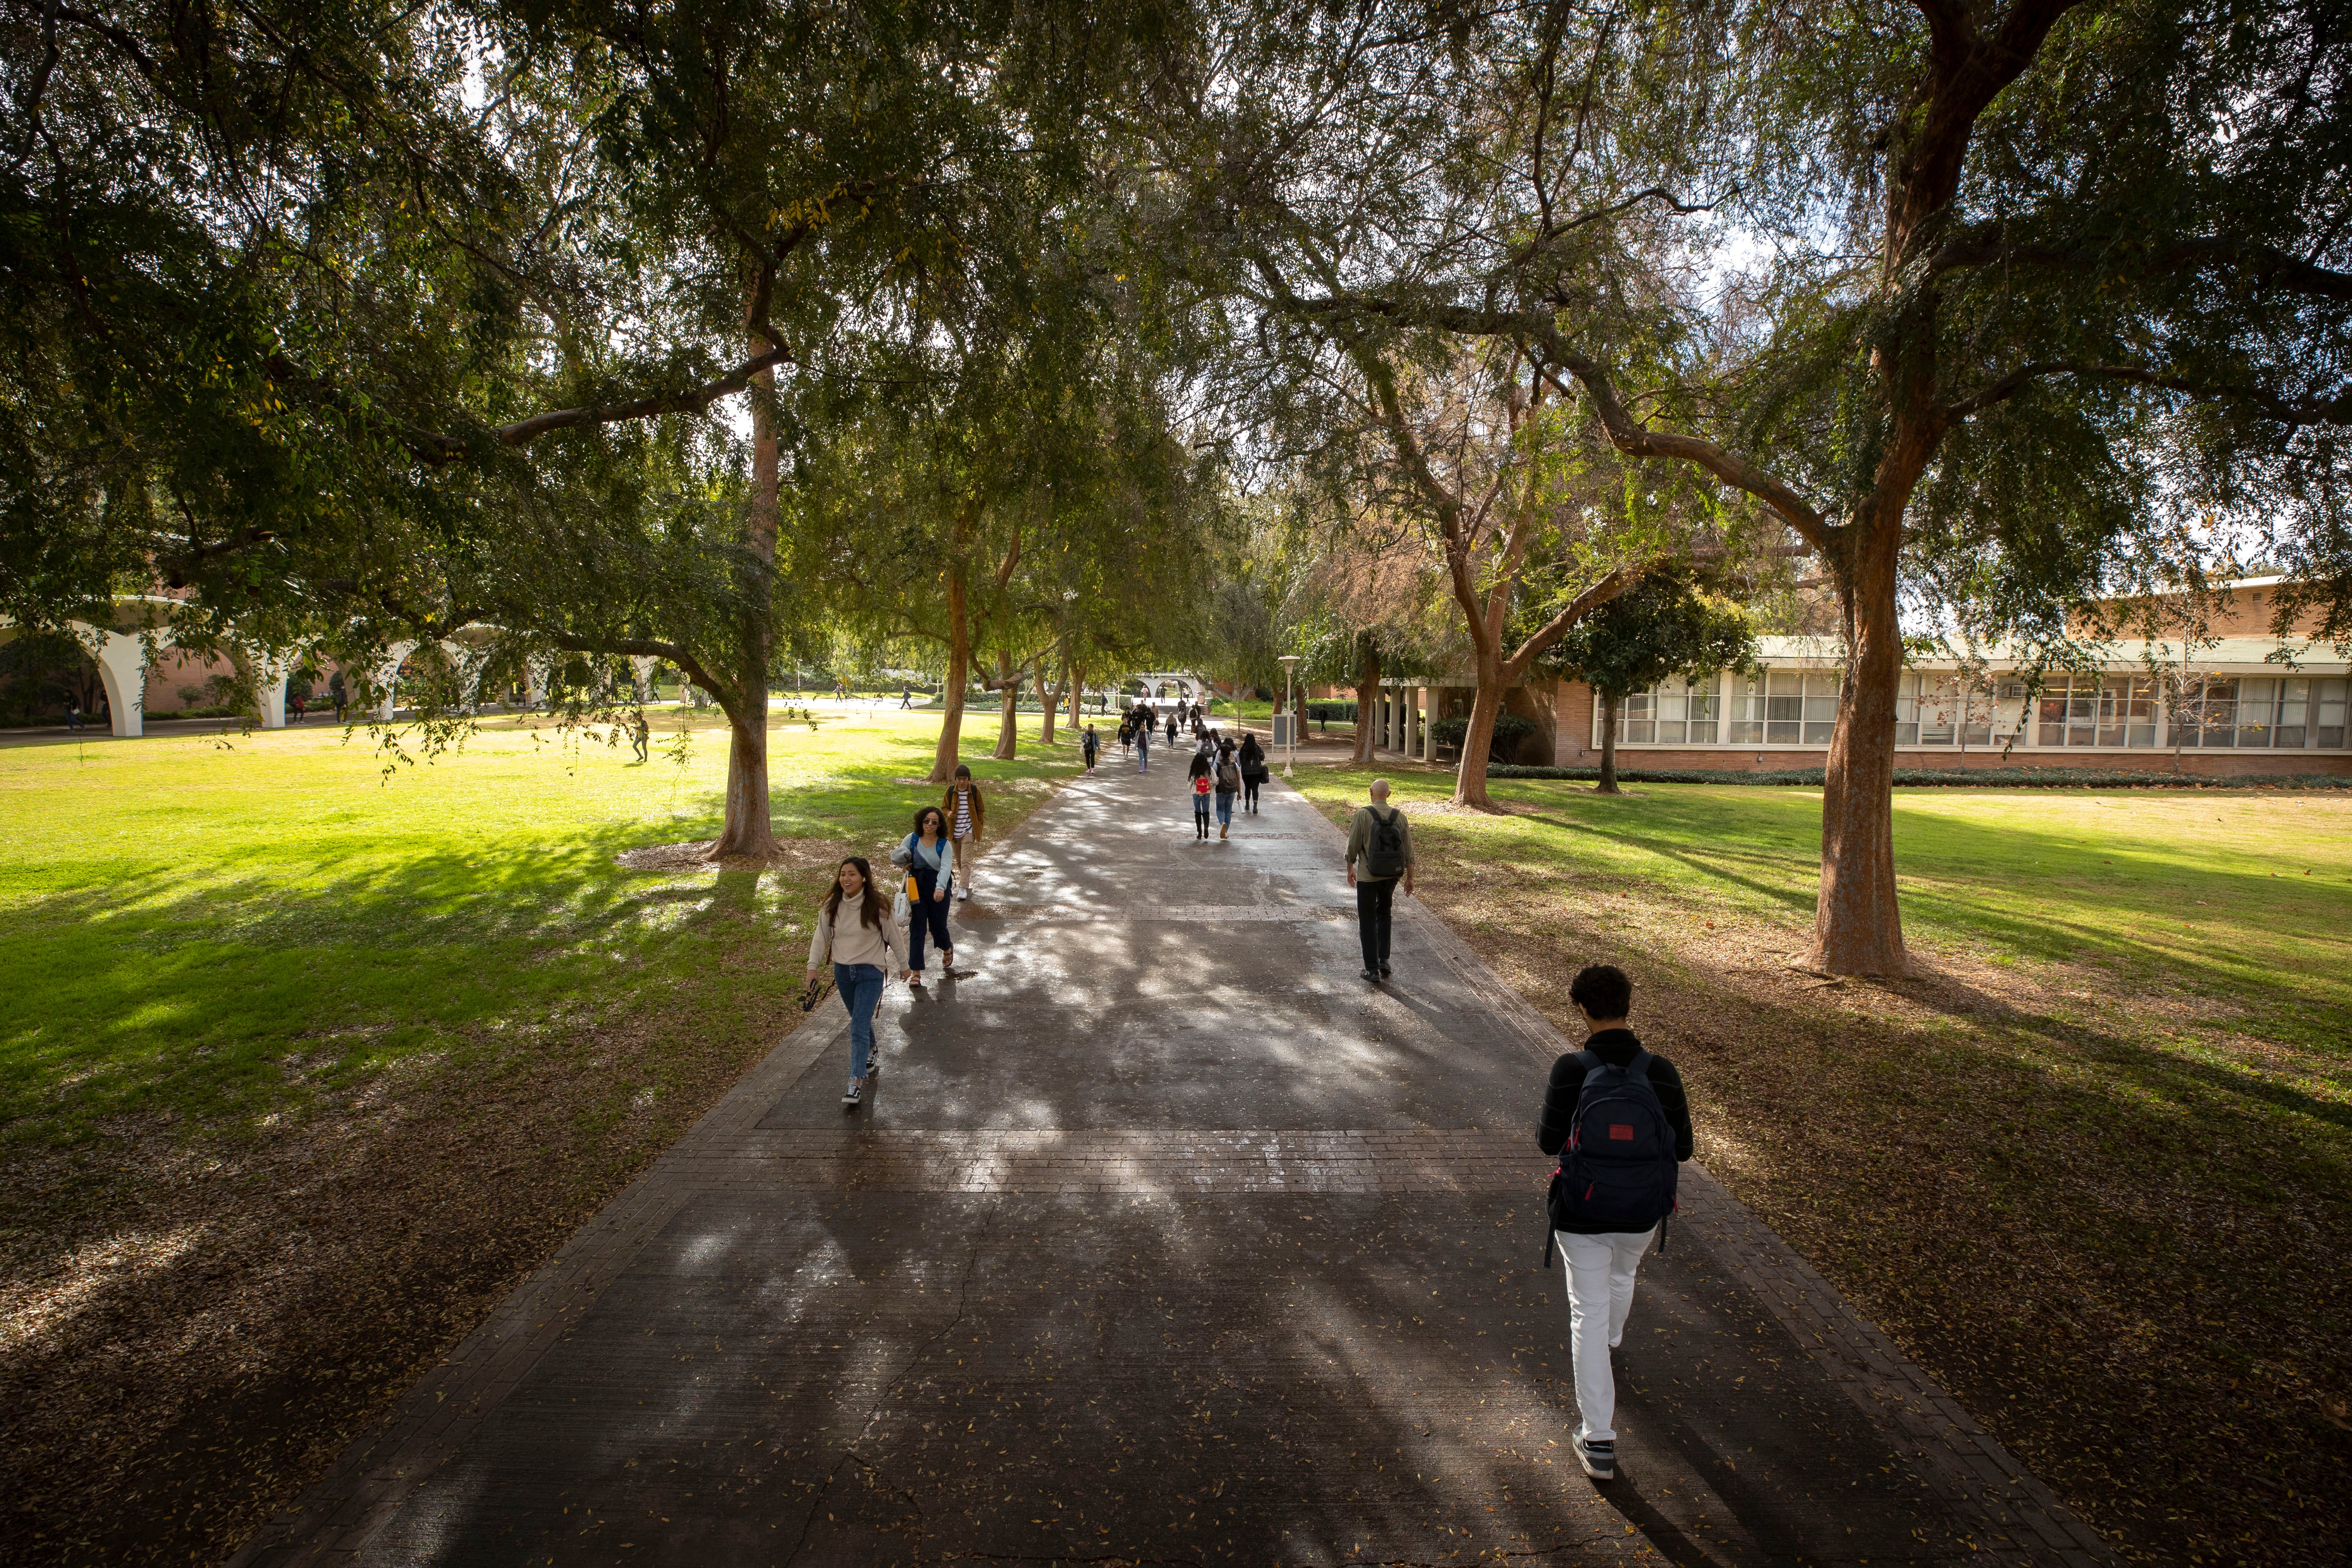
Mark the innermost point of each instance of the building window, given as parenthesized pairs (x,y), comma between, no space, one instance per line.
(1674,712)
(1926,709)
(1745,725)
(1638,716)
(1798,709)
(2279,713)
(2126,711)
(2207,712)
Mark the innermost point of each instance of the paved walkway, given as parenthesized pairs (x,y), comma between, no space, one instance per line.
(1163,1239)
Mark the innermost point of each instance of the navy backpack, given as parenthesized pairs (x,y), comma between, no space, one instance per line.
(1618,1168)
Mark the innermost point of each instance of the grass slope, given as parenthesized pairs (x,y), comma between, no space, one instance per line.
(301,1067)
(2093,1168)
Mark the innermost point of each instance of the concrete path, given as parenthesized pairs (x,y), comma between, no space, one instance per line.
(1166,1238)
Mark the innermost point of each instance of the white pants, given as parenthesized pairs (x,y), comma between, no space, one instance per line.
(1600,1287)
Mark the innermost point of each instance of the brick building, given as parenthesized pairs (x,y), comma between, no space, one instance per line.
(2229,706)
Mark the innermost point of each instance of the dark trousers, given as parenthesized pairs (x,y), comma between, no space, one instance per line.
(1200,816)
(1249,793)
(927,915)
(1374,902)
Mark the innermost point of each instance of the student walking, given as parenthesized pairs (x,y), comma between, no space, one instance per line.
(1253,760)
(641,734)
(1127,735)
(1089,745)
(1229,785)
(859,944)
(1380,855)
(966,816)
(930,859)
(1620,1122)
(1172,728)
(1202,784)
(1143,748)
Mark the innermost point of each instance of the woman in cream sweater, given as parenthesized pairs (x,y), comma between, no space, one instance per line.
(859,947)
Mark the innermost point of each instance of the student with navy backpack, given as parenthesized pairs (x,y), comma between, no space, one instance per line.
(1616,1117)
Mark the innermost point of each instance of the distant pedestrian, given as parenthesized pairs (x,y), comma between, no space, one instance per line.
(929,860)
(337,694)
(966,815)
(641,735)
(1253,759)
(1089,746)
(1143,748)
(859,947)
(298,702)
(1202,775)
(1380,855)
(1229,785)
(1171,727)
(73,715)
(906,696)
(1619,1120)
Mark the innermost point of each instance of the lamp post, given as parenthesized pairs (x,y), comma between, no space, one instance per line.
(1290,691)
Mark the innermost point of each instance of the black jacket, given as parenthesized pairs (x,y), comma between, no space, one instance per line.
(1253,759)
(1615,1047)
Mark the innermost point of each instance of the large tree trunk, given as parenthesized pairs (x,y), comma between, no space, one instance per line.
(1608,784)
(1047,700)
(1368,697)
(1479,736)
(946,754)
(1858,925)
(748,831)
(1078,695)
(1008,731)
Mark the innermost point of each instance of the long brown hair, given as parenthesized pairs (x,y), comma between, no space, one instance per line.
(870,911)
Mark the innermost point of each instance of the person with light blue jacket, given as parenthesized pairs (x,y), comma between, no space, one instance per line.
(929,860)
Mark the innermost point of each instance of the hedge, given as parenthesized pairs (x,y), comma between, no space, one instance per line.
(1336,712)
(1510,730)
(2003,778)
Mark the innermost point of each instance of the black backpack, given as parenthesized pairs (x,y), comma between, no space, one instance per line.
(1618,1170)
(1384,850)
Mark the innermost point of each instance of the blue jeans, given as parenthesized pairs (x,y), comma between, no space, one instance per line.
(931,917)
(1143,758)
(1224,808)
(861,990)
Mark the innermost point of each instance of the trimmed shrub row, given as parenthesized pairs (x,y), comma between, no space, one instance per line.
(1337,712)
(2004,778)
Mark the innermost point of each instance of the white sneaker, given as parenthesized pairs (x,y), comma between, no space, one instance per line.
(964,892)
(851,1096)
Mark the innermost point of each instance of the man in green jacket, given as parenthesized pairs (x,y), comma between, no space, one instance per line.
(1380,855)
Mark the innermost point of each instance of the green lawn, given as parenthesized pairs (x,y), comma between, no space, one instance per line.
(220,933)
(302,1067)
(2092,1167)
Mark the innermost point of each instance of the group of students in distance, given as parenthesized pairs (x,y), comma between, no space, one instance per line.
(1614,1114)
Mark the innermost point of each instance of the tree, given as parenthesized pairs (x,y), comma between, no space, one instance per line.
(300,321)
(1392,204)
(2029,250)
(1663,625)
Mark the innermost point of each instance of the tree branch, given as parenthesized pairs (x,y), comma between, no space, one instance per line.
(2334,410)
(1985,246)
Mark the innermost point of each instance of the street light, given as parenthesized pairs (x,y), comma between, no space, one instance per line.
(1290,690)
